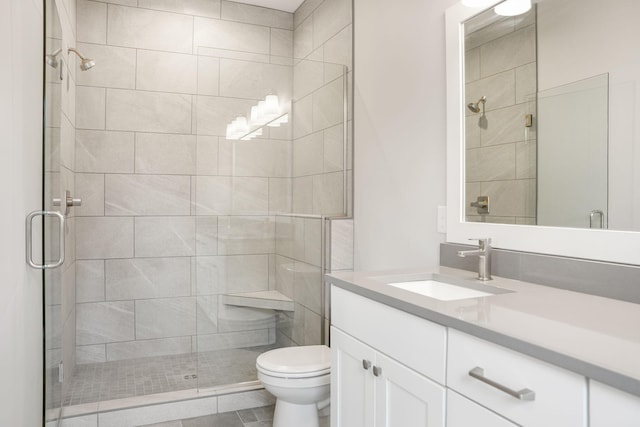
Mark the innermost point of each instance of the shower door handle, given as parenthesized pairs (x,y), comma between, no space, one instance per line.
(29,237)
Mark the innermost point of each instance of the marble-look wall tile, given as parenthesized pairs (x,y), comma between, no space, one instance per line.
(497,162)
(207,155)
(116,66)
(312,242)
(500,90)
(472,65)
(285,272)
(207,314)
(227,340)
(208,8)
(246,235)
(231,195)
(206,235)
(230,35)
(526,164)
(511,51)
(339,48)
(329,18)
(147,195)
(104,237)
(504,125)
(165,154)
(328,105)
(208,75)
(154,67)
(104,322)
(526,82)
(303,117)
(308,286)
(149,29)
(341,245)
(303,39)
(148,348)
(334,156)
(232,274)
(147,278)
(305,10)
(280,195)
(281,43)
(90,107)
(148,111)
(312,328)
(308,155)
(165,236)
(104,152)
(214,113)
(233,11)
(90,281)
(328,193)
(91,354)
(511,198)
(244,79)
(257,158)
(90,188)
(91,22)
(303,195)
(486,34)
(165,317)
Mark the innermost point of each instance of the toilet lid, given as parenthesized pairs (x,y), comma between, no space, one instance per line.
(309,360)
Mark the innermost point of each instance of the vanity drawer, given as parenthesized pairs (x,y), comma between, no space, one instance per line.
(415,342)
(560,396)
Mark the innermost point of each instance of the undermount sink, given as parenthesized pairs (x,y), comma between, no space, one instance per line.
(440,287)
(438,290)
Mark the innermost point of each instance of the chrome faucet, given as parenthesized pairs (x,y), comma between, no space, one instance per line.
(484,257)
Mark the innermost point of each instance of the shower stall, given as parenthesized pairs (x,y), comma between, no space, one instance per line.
(192,246)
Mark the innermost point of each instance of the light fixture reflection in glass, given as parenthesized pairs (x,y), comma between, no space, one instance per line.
(478,3)
(513,7)
(266,112)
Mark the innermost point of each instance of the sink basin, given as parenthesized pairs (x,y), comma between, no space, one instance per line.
(439,290)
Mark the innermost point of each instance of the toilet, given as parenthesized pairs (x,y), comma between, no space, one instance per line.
(299,378)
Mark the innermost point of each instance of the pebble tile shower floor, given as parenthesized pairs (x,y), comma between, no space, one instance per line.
(97,382)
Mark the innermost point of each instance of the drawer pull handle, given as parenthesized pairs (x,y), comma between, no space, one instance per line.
(366,364)
(377,371)
(524,394)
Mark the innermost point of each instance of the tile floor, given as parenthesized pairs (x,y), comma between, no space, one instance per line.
(97,382)
(256,417)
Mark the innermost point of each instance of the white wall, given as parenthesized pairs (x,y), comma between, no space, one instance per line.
(399,132)
(20,190)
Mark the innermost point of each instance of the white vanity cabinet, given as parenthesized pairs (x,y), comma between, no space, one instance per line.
(392,373)
(462,412)
(610,407)
(522,389)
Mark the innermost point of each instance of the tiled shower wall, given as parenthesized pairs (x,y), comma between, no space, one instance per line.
(174,214)
(500,63)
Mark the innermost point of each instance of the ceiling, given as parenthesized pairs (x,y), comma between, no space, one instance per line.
(286,5)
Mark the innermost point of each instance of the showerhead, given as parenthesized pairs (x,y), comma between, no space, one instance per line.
(85,63)
(51,59)
(474,107)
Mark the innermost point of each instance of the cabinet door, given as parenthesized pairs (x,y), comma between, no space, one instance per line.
(462,412)
(351,381)
(406,398)
(610,407)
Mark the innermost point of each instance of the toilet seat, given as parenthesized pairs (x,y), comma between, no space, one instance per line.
(296,362)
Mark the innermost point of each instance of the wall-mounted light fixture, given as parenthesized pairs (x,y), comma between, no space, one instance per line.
(513,7)
(266,113)
(478,3)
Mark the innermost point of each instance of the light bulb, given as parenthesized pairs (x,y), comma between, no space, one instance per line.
(513,7)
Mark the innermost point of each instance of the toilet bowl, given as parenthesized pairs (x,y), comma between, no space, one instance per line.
(299,378)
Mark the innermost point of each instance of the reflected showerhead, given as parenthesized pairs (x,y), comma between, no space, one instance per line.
(474,107)
(51,59)
(85,63)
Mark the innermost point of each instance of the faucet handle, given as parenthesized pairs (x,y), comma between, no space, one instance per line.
(482,241)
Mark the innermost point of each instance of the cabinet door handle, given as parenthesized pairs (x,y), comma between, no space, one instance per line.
(366,364)
(524,394)
(377,371)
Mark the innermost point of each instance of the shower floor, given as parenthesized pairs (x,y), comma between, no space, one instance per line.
(97,382)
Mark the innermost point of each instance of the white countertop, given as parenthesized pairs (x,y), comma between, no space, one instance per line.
(594,336)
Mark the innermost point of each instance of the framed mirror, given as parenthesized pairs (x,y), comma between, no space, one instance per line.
(543,117)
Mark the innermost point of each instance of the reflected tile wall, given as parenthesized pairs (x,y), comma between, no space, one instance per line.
(500,151)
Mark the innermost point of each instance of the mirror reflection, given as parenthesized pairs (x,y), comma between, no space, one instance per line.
(551,111)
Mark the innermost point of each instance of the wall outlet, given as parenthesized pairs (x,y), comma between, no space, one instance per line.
(442,219)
